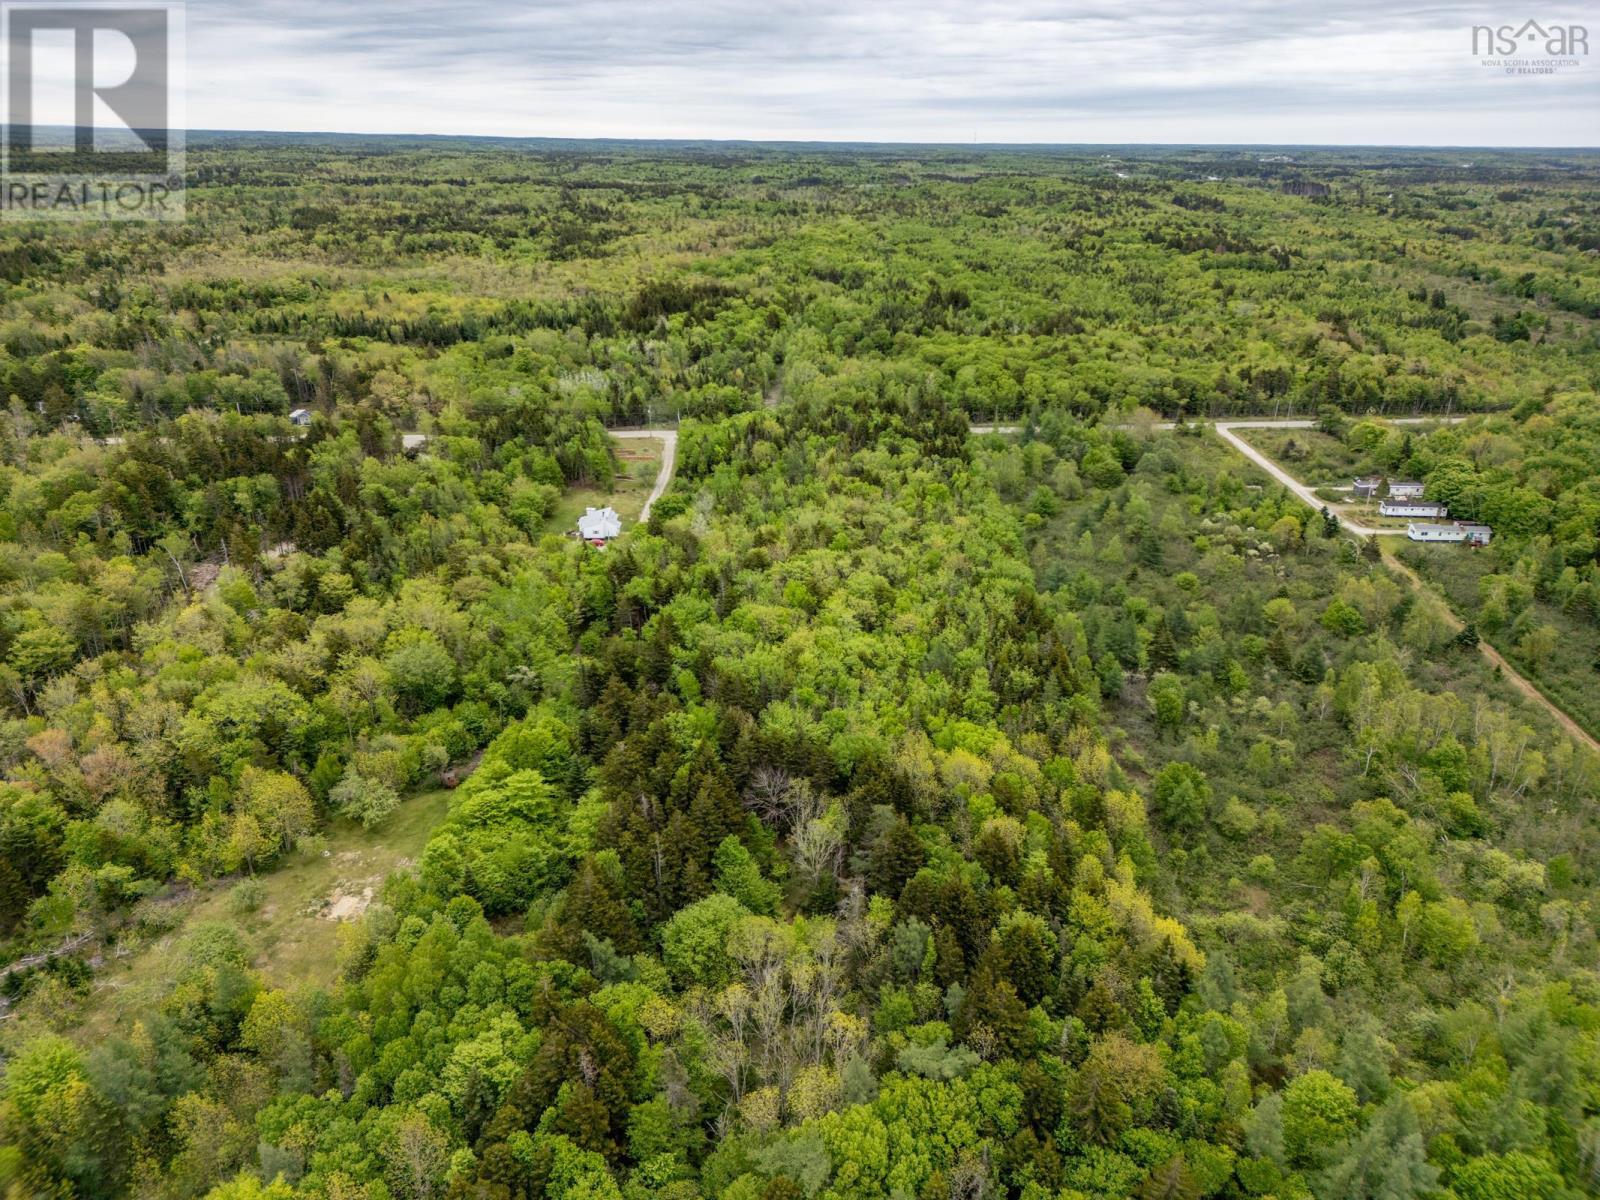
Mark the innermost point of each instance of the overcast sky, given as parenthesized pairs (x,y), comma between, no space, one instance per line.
(1341,71)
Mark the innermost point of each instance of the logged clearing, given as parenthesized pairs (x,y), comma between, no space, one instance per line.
(294,935)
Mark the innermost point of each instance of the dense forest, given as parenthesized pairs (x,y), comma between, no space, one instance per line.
(904,810)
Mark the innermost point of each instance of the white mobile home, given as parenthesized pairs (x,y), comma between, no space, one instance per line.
(1424,509)
(1456,531)
(1405,489)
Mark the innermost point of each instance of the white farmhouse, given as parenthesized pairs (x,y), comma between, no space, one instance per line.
(599,525)
(1424,509)
(1456,531)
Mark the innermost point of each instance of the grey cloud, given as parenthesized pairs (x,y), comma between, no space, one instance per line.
(1035,70)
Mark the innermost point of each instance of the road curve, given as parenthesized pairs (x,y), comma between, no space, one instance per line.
(669,462)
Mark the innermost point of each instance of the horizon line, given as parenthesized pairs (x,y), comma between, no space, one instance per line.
(886,142)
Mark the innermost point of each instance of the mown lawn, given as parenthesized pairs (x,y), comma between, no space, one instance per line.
(641,460)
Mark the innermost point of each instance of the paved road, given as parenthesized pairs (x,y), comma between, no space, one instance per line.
(669,462)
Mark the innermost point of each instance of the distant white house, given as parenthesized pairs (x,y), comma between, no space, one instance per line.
(1402,489)
(599,525)
(1425,509)
(1456,531)
(300,416)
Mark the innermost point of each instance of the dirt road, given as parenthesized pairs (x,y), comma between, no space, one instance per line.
(1225,430)
(1306,496)
(1507,671)
(669,462)
(1512,676)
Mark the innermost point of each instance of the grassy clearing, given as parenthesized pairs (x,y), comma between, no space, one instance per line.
(641,461)
(294,935)
(1482,303)
(1366,512)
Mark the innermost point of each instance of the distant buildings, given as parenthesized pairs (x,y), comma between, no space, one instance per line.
(598,526)
(1426,519)
(1456,531)
(1427,510)
(300,417)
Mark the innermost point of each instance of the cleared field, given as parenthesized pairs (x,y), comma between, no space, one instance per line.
(294,935)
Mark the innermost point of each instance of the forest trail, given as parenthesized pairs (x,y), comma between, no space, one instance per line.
(1514,677)
(669,462)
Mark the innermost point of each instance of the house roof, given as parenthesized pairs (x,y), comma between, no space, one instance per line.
(1452,527)
(599,523)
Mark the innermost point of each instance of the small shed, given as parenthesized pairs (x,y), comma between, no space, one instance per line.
(1367,486)
(300,417)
